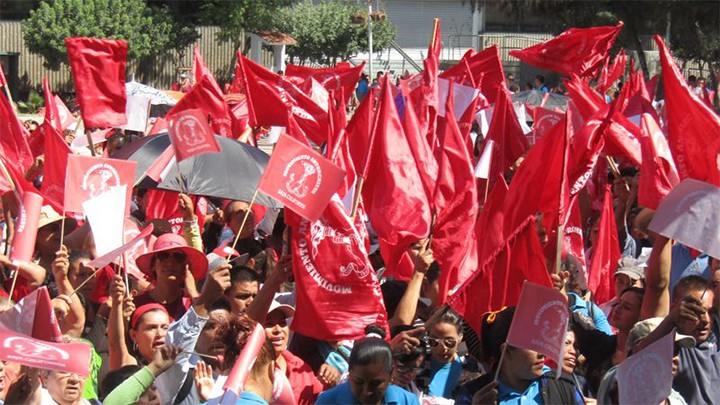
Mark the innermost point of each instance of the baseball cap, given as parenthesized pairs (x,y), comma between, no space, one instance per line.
(631,268)
(643,328)
(287,309)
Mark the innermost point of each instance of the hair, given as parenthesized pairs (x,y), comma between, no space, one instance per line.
(370,351)
(638,291)
(243,274)
(412,355)
(540,78)
(220,303)
(450,317)
(688,284)
(375,329)
(114,378)
(433,272)
(234,336)
(76,255)
(493,333)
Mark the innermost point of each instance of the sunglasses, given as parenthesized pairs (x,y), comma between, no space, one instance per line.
(405,369)
(178,257)
(447,342)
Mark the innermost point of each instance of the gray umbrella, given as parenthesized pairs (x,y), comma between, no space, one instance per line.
(534,98)
(233,173)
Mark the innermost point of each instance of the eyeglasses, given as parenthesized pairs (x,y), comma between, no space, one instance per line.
(178,257)
(406,369)
(447,342)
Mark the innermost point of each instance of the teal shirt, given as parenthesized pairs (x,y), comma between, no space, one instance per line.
(444,377)
(342,395)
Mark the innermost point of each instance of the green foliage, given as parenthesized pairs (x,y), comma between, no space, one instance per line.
(325,31)
(34,103)
(236,16)
(147,30)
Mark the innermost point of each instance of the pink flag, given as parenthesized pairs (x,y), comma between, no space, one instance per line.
(646,376)
(540,321)
(88,177)
(110,256)
(33,316)
(26,228)
(243,365)
(66,357)
(300,178)
(191,135)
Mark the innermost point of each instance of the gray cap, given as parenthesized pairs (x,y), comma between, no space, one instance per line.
(643,328)
(631,268)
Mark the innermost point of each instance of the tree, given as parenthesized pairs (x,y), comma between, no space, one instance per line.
(147,30)
(328,31)
(237,16)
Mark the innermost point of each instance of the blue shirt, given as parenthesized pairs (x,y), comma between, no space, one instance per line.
(444,377)
(250,398)
(342,395)
(531,395)
(598,316)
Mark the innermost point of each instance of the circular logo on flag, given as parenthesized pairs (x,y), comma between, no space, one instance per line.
(546,122)
(99,178)
(188,129)
(547,318)
(302,176)
(26,347)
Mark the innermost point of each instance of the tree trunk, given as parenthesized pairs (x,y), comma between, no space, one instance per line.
(640,53)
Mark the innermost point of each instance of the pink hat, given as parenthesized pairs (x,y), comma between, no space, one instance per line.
(170,241)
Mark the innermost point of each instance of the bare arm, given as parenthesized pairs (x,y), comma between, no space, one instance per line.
(656,301)
(259,306)
(422,257)
(118,353)
(74,322)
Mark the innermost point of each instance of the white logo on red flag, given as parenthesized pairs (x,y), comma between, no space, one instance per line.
(300,178)
(646,376)
(191,134)
(67,357)
(540,321)
(88,177)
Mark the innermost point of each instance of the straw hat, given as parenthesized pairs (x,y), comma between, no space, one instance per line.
(48,216)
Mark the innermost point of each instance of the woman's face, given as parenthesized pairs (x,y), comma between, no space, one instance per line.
(444,339)
(626,312)
(64,388)
(169,266)
(150,332)
(404,373)
(369,383)
(570,356)
(78,273)
(276,330)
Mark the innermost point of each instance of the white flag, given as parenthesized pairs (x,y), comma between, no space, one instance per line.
(137,108)
(106,214)
(482,169)
(462,95)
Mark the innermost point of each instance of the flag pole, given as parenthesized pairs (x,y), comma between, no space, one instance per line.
(242,225)
(9,179)
(85,282)
(487,188)
(616,171)
(356,197)
(502,356)
(62,229)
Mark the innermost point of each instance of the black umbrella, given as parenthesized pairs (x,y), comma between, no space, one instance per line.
(233,173)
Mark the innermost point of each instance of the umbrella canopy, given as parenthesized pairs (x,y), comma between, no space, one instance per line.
(534,98)
(156,96)
(233,173)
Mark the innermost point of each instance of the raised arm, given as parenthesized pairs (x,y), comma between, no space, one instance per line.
(422,257)
(118,352)
(656,301)
(74,321)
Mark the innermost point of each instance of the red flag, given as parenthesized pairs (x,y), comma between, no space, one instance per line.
(577,51)
(540,322)
(191,135)
(606,254)
(160,126)
(88,177)
(56,161)
(3,80)
(66,357)
(422,152)
(23,185)
(207,96)
(393,193)
(33,316)
(52,115)
(693,127)
(160,168)
(456,203)
(359,131)
(543,121)
(658,174)
(573,240)
(23,245)
(485,67)
(275,101)
(506,133)
(330,266)
(65,115)
(13,145)
(199,68)
(98,67)
(340,77)
(614,72)
(300,178)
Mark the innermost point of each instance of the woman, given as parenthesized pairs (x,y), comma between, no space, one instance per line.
(368,382)
(406,368)
(444,337)
(166,267)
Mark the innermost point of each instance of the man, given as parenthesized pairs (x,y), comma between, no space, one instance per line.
(244,286)
(233,215)
(540,84)
(628,274)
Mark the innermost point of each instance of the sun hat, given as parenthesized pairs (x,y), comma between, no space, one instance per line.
(48,216)
(170,241)
(643,328)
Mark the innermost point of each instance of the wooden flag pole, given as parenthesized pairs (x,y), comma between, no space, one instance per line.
(242,225)
(502,356)
(558,249)
(356,197)
(616,171)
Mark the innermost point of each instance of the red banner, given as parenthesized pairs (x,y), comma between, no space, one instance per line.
(23,245)
(65,357)
(300,178)
(540,321)
(88,177)
(340,77)
(191,135)
(98,67)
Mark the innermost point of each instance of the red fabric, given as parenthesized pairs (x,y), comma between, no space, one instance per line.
(359,131)
(485,67)
(610,74)
(159,169)
(33,315)
(340,77)
(98,68)
(207,96)
(422,152)
(55,169)
(506,133)
(45,325)
(160,204)
(577,51)
(52,116)
(23,185)
(606,254)
(396,203)
(330,265)
(66,357)
(199,68)
(13,145)
(191,135)
(273,100)
(23,244)
(658,172)
(91,176)
(158,127)
(543,121)
(300,178)
(457,206)
(3,80)
(573,241)
(693,127)
(500,278)
(305,385)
